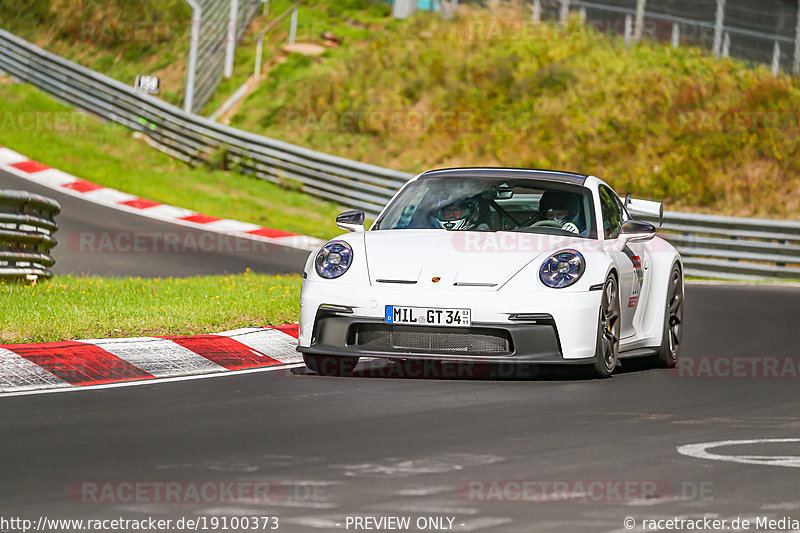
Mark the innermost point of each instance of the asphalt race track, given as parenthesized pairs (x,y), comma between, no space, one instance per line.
(379,444)
(85,228)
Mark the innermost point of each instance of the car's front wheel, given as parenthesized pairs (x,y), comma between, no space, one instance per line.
(326,365)
(607,351)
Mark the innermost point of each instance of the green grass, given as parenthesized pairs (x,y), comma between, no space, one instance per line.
(120,38)
(70,308)
(109,155)
(705,134)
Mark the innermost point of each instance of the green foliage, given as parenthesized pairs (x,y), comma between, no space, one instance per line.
(490,88)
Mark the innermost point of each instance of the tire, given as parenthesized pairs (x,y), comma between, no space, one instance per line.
(608,326)
(668,353)
(326,365)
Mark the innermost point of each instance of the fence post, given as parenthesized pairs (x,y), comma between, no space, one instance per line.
(402,9)
(447,8)
(563,14)
(776,59)
(197,19)
(796,65)
(536,11)
(230,46)
(726,45)
(637,34)
(264,7)
(718,26)
(259,53)
(293,29)
(628,29)
(676,35)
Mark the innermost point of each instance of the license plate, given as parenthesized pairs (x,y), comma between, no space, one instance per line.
(428,316)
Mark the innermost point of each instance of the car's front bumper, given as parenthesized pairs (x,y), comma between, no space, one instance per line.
(535,341)
(566,331)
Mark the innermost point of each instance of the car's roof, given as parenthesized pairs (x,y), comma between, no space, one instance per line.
(516,173)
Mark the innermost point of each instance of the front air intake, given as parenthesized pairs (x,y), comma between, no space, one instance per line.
(472,341)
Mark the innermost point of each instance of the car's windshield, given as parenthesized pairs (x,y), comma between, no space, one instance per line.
(492,204)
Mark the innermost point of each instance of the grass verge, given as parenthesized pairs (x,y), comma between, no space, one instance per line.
(70,308)
(43,129)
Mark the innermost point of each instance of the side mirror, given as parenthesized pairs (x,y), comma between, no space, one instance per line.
(351,220)
(635,231)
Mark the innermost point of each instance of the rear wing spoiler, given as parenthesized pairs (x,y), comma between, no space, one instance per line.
(644,208)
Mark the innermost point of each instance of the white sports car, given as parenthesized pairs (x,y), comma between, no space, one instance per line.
(495,265)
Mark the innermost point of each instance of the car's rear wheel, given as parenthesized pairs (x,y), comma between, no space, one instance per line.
(326,365)
(607,351)
(668,353)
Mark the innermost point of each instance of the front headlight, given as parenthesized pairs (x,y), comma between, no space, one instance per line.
(562,269)
(334,259)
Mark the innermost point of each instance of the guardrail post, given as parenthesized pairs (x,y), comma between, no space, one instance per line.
(230,46)
(676,35)
(293,29)
(536,11)
(781,263)
(191,74)
(563,13)
(734,259)
(637,34)
(776,59)
(796,65)
(726,45)
(718,27)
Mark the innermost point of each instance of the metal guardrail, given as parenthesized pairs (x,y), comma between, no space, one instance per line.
(712,246)
(733,247)
(27,225)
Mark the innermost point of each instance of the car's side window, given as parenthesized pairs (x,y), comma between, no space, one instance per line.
(612,213)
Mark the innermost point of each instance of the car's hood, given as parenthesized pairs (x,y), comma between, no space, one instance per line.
(477,260)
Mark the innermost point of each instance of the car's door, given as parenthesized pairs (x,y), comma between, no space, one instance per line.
(629,259)
(639,255)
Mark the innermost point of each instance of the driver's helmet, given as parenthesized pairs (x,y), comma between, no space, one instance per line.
(458,215)
(560,206)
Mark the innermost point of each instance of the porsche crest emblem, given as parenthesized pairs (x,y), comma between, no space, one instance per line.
(436,279)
